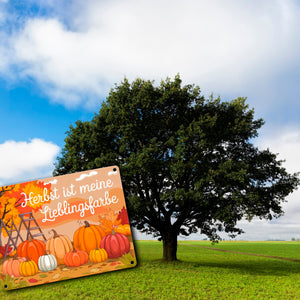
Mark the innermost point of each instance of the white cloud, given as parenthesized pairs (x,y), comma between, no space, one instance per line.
(85,175)
(222,46)
(23,161)
(285,142)
(260,230)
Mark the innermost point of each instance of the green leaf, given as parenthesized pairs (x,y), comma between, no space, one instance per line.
(128,260)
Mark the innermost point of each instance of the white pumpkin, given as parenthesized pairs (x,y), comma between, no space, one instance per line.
(47,262)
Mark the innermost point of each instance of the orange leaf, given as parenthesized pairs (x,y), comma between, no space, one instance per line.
(109,221)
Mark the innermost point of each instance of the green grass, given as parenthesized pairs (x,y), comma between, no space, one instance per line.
(281,249)
(200,274)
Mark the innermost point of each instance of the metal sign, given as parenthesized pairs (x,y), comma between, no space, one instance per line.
(64,227)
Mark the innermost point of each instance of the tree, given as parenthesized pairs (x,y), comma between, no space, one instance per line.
(187,162)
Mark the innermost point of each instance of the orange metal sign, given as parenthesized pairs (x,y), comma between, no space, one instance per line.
(64,227)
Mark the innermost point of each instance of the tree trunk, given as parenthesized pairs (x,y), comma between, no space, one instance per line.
(169,246)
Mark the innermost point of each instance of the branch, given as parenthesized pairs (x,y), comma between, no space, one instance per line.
(4,212)
(146,198)
(7,223)
(3,190)
(186,213)
(19,199)
(18,204)
(160,206)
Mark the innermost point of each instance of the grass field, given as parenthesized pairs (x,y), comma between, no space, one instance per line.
(281,249)
(200,274)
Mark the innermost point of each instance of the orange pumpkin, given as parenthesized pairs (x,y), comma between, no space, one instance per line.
(125,229)
(88,237)
(32,249)
(12,265)
(28,268)
(76,258)
(59,246)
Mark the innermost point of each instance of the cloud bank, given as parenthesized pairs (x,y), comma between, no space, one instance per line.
(24,161)
(225,47)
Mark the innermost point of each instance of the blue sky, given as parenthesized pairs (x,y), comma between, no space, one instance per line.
(59,59)
(26,115)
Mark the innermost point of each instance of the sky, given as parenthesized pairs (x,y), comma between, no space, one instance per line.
(60,58)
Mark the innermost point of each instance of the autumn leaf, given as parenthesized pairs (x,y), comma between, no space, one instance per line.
(2,249)
(112,216)
(16,192)
(8,283)
(12,198)
(128,260)
(37,189)
(109,221)
(8,212)
(106,225)
(123,216)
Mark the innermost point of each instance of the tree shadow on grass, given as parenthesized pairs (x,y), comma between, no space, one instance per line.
(244,264)
(249,266)
(265,267)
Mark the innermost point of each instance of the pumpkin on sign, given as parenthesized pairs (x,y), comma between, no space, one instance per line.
(76,258)
(116,244)
(58,245)
(88,237)
(31,249)
(98,255)
(47,262)
(12,265)
(28,268)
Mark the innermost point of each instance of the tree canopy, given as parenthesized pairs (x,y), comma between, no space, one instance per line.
(188,164)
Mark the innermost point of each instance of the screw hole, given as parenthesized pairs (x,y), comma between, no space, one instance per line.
(5,286)
(114,169)
(132,262)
